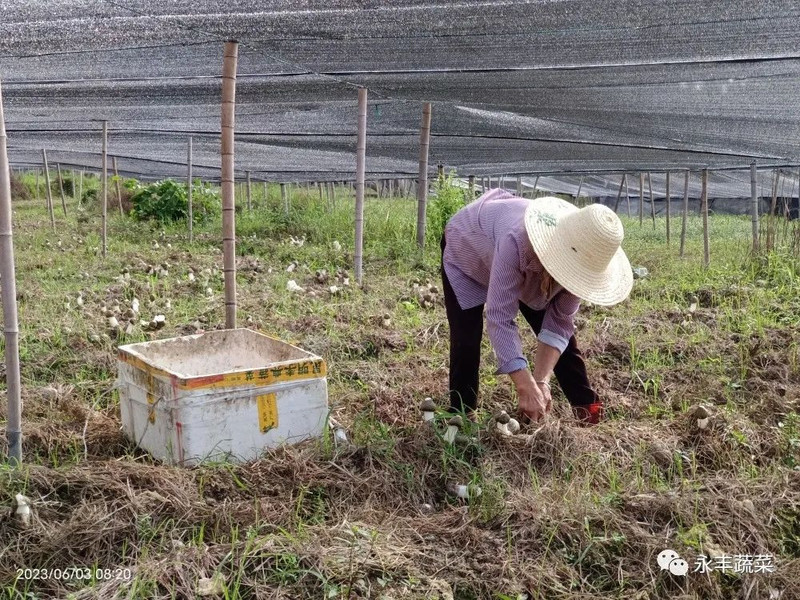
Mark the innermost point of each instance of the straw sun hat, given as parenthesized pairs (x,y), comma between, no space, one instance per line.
(581,249)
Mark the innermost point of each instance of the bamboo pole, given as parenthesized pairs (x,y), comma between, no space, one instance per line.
(422,185)
(361,157)
(471,183)
(652,200)
(641,199)
(319,187)
(284,199)
(189,189)
(249,196)
(627,195)
(754,200)
(230,58)
(80,188)
(706,253)
(48,191)
(104,196)
(685,212)
(535,185)
(771,226)
(38,197)
(9,297)
(61,189)
(668,205)
(619,193)
(774,209)
(580,186)
(117,183)
(519,186)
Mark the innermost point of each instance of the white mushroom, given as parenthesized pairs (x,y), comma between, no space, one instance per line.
(339,432)
(464,491)
(702,415)
(427,407)
(453,425)
(23,511)
(292,286)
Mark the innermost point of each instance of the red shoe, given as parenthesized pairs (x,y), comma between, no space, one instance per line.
(590,414)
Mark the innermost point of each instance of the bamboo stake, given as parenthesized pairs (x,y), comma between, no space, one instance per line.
(104,196)
(61,189)
(284,199)
(9,297)
(230,58)
(48,191)
(249,197)
(80,188)
(706,254)
(519,186)
(685,211)
(422,186)
(771,226)
(774,210)
(754,200)
(361,156)
(332,194)
(189,188)
(535,185)
(619,193)
(627,195)
(641,199)
(319,187)
(118,185)
(668,205)
(38,197)
(471,183)
(578,195)
(652,200)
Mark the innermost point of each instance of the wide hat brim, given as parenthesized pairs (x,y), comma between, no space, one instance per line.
(605,287)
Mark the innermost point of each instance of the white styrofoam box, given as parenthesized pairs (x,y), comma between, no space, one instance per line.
(220,395)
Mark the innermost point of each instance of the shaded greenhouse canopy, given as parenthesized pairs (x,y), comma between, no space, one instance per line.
(584,86)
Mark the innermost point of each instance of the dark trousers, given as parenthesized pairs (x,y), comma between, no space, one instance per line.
(466,331)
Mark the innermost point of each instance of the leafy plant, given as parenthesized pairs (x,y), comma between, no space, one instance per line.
(167,201)
(448,200)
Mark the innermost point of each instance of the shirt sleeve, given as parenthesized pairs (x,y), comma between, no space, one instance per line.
(502,305)
(558,325)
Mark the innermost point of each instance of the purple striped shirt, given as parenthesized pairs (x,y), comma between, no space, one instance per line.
(489,260)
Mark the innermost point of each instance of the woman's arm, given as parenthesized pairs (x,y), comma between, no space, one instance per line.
(502,306)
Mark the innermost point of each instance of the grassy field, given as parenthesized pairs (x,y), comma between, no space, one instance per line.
(565,511)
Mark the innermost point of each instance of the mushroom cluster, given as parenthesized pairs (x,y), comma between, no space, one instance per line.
(426,294)
(505,425)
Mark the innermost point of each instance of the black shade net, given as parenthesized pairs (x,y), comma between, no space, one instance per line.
(551,88)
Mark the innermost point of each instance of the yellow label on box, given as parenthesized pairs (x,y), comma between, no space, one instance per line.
(267,412)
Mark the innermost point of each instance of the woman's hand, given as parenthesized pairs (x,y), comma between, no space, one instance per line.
(533,403)
(548,398)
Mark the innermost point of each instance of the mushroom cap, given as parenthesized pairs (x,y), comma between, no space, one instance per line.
(701,412)
(457,421)
(502,417)
(427,405)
